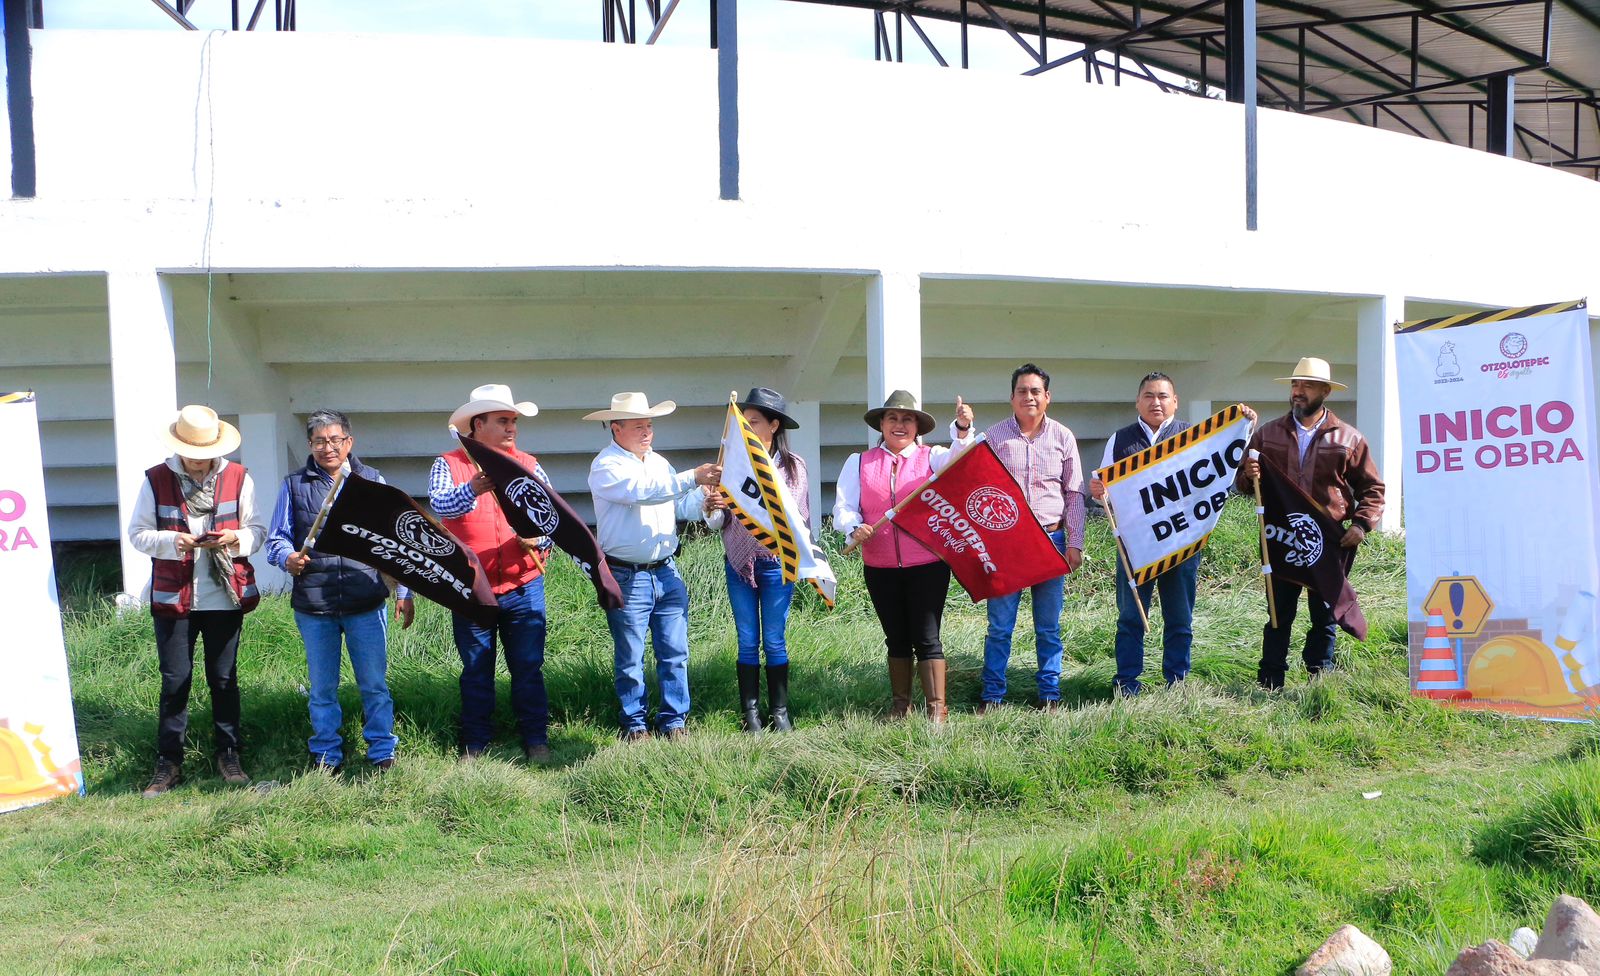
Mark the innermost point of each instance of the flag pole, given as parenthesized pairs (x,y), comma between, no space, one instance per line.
(890,514)
(733,398)
(1266,560)
(322,513)
(1127,566)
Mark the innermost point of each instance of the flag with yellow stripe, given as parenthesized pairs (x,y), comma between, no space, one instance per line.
(761,501)
(1168,497)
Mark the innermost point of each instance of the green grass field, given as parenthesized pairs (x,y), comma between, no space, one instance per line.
(1208,829)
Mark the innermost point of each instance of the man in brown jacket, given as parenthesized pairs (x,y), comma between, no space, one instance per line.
(1330,461)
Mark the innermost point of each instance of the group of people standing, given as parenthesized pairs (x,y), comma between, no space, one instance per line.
(197,519)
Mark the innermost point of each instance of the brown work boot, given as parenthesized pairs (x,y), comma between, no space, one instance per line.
(932,675)
(899,687)
(232,772)
(168,774)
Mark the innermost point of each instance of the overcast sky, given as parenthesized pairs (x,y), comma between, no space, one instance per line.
(787,25)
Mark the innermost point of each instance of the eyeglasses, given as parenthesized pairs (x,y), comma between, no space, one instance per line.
(323,443)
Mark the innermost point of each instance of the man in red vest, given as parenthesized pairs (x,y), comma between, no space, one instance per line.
(463,497)
(196,519)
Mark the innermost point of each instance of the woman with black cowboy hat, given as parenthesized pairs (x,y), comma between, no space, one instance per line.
(756,590)
(906,581)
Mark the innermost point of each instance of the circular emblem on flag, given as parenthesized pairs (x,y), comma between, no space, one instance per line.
(414,529)
(1513,345)
(992,508)
(532,499)
(1305,540)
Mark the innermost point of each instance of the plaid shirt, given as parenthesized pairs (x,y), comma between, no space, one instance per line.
(1049,471)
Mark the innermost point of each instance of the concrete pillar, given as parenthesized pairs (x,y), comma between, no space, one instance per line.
(806,442)
(1378,394)
(263,455)
(144,396)
(894,337)
(1195,411)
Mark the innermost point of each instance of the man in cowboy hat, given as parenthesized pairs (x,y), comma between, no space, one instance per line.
(336,600)
(196,519)
(638,500)
(1330,461)
(463,497)
(1042,455)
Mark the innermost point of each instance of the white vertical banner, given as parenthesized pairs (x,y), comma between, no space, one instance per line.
(38,737)
(1501,500)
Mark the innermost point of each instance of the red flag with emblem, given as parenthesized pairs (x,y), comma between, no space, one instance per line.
(975,517)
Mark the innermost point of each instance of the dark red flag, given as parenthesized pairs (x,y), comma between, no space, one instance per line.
(1303,547)
(534,509)
(974,516)
(381,526)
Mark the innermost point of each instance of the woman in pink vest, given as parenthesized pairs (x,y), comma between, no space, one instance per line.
(906,581)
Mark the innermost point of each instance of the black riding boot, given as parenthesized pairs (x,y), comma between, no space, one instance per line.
(750,697)
(778,697)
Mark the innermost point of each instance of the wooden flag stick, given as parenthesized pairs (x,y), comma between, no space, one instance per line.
(890,514)
(733,399)
(1127,567)
(1266,560)
(322,513)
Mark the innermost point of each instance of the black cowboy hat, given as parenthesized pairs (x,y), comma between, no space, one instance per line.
(769,402)
(901,400)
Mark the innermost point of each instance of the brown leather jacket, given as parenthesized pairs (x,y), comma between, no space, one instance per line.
(1339,473)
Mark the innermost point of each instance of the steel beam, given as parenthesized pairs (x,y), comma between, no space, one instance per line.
(19,99)
(1502,125)
(728,97)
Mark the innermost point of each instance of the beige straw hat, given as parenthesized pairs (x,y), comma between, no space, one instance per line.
(199,434)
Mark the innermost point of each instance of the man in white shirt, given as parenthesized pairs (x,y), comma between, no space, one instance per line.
(196,519)
(638,500)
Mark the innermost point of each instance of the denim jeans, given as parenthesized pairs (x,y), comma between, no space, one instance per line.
(1176,587)
(760,612)
(1047,600)
(365,636)
(1318,651)
(656,602)
(521,626)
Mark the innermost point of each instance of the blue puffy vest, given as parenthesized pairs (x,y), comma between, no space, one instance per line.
(329,584)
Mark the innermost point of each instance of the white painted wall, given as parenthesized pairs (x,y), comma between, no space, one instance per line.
(509,200)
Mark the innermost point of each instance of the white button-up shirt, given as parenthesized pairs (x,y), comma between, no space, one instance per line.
(638,502)
(162,544)
(847,490)
(1106,460)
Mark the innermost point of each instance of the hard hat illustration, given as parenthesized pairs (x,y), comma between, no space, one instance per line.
(19,773)
(1518,668)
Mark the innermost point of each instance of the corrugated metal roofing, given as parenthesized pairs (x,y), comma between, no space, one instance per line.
(1350,59)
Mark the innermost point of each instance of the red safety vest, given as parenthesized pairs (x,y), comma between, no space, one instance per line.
(486,532)
(172,582)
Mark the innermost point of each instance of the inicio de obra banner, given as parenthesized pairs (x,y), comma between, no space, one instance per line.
(1168,497)
(38,738)
(1497,416)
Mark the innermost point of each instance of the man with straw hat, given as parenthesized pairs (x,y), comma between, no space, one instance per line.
(196,519)
(1331,463)
(463,497)
(336,600)
(638,500)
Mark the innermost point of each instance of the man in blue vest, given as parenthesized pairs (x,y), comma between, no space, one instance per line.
(336,598)
(1157,407)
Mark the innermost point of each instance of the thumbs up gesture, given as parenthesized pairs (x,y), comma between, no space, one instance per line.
(963,415)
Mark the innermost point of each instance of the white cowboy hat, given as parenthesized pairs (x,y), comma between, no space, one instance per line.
(489,398)
(1314,369)
(199,435)
(632,406)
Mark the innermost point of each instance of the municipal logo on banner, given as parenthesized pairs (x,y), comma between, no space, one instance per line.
(1502,509)
(973,516)
(38,736)
(1168,497)
(760,500)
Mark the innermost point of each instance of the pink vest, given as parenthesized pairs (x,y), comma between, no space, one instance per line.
(889,547)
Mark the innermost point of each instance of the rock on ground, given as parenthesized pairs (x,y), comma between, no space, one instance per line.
(1572,933)
(1348,952)
(1496,959)
(1523,941)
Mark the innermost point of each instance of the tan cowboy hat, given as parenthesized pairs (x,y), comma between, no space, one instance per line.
(632,406)
(199,434)
(1314,369)
(489,398)
(901,400)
